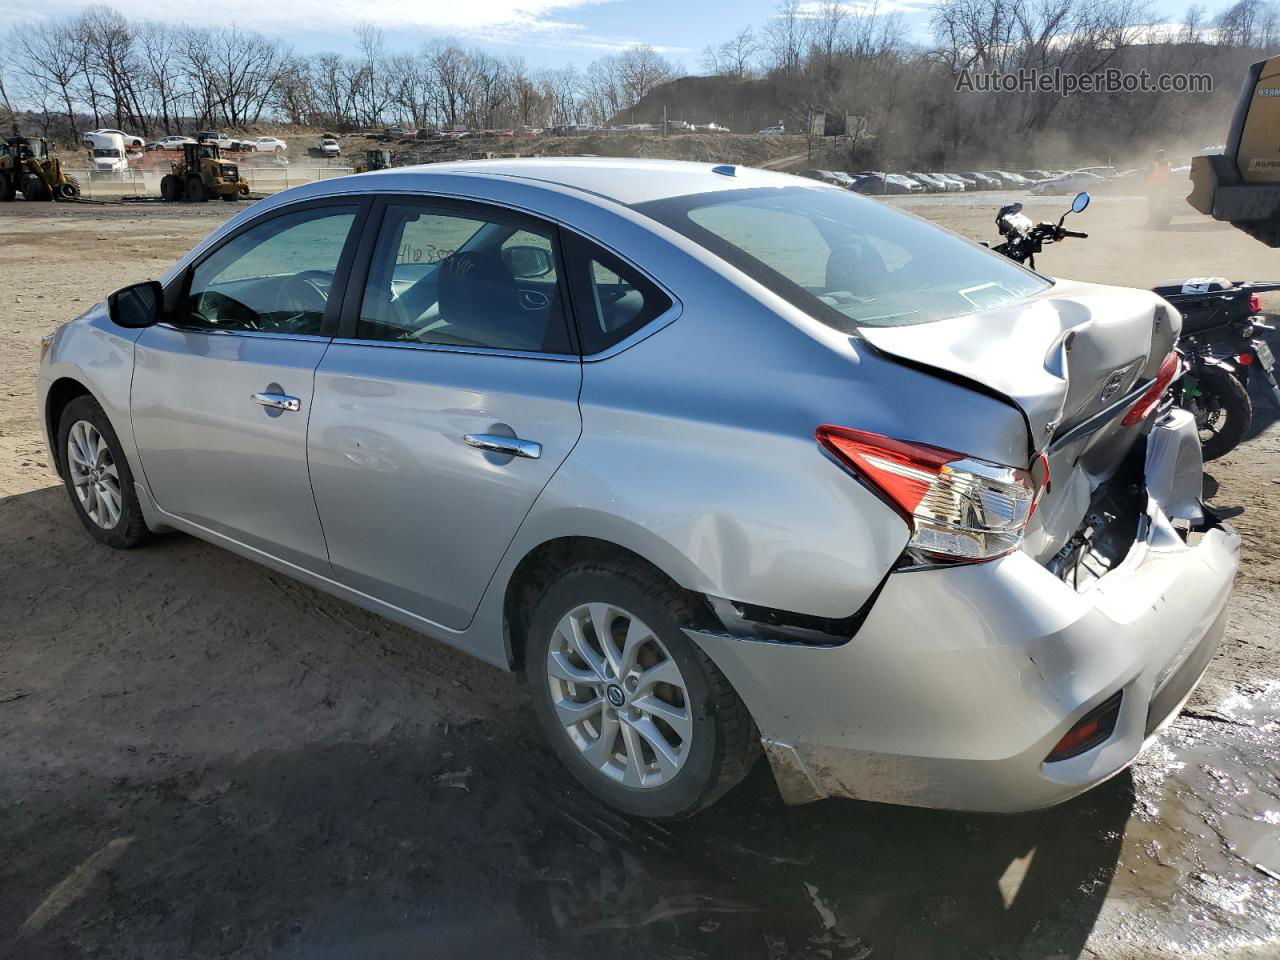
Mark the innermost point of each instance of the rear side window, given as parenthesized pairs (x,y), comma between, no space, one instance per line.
(466,277)
(612,299)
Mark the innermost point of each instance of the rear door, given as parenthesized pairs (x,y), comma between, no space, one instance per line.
(222,393)
(445,406)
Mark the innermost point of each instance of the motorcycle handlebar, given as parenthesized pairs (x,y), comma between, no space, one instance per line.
(1074,233)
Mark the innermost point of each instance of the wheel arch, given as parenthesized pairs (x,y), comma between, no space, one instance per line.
(539,566)
(61,392)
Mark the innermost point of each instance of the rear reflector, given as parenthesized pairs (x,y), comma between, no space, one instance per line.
(1255,303)
(1245,359)
(1149,400)
(959,509)
(1093,728)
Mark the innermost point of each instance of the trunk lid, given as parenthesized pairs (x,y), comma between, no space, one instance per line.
(1069,359)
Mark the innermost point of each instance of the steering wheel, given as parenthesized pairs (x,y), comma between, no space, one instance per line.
(302,294)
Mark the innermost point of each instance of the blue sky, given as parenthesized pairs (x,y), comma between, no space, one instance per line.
(544,32)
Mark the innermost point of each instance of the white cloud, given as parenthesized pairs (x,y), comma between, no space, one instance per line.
(866,8)
(481,21)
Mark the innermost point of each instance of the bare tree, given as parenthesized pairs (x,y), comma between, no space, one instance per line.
(52,62)
(786,36)
(1193,22)
(641,68)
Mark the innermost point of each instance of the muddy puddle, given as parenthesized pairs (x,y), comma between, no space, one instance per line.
(467,841)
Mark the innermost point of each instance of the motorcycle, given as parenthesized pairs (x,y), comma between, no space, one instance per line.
(1218,349)
(1023,239)
(1219,322)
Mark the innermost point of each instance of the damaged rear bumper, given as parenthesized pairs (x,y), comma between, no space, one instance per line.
(962,680)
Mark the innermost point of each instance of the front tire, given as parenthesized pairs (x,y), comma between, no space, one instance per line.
(1223,411)
(97,476)
(32,187)
(637,712)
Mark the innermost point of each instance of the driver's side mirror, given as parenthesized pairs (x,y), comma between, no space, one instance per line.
(1080,202)
(527,262)
(138,305)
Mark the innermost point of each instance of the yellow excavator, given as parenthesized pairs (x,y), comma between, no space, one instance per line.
(1241,185)
(202,174)
(27,167)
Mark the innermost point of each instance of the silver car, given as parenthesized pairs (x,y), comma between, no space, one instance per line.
(725,461)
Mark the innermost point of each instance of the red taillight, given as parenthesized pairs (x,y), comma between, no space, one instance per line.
(957,507)
(1255,303)
(1245,359)
(1093,728)
(902,471)
(1147,402)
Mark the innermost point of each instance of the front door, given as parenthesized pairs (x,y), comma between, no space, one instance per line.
(440,416)
(222,394)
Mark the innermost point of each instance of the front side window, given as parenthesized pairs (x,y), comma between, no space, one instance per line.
(847,260)
(452,278)
(274,277)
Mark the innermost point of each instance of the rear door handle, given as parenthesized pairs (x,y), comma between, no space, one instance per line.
(278,401)
(496,443)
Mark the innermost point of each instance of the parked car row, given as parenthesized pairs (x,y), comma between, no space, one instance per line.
(1039,182)
(223,142)
(399,133)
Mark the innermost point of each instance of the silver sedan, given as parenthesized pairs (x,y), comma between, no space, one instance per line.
(727,462)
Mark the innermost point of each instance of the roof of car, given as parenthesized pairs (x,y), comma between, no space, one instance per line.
(624,180)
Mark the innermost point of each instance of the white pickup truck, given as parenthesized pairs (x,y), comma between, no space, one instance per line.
(219,139)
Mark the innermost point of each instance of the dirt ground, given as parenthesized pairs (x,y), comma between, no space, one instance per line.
(202,758)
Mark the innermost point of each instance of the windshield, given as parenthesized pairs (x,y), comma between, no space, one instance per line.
(847,260)
(104,152)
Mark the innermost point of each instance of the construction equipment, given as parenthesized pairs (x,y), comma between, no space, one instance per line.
(202,174)
(1242,184)
(375,160)
(26,167)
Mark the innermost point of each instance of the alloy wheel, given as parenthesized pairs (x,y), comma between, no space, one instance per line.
(94,474)
(619,696)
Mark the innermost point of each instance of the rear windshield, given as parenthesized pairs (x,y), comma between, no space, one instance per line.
(847,260)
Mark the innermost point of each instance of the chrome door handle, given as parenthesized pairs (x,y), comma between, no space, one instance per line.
(509,445)
(278,401)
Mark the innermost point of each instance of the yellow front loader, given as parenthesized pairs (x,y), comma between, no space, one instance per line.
(202,174)
(1241,185)
(27,167)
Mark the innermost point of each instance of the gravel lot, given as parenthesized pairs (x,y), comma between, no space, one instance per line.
(201,758)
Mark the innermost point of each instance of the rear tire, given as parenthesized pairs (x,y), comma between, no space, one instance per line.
(170,187)
(8,188)
(1226,411)
(196,192)
(719,743)
(97,476)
